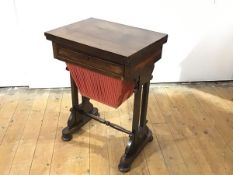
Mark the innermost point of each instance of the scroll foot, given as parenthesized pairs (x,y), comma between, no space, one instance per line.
(132,150)
(78,118)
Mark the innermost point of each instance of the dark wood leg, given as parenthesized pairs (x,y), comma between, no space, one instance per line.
(141,133)
(77,117)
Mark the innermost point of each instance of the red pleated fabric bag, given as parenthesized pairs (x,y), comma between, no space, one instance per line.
(110,91)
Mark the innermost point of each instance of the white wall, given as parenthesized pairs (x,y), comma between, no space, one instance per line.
(200,42)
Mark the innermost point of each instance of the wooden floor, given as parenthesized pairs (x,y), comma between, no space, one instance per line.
(192,127)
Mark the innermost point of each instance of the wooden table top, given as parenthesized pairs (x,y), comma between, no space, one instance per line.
(108,40)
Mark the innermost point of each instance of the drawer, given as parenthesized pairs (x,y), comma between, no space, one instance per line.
(88,61)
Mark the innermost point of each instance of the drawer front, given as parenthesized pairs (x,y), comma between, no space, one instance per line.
(87,61)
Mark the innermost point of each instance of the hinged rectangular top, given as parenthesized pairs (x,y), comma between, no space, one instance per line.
(107,40)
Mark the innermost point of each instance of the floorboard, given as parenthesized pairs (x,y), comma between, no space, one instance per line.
(192,127)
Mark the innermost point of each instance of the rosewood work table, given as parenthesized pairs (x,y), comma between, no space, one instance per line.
(108,62)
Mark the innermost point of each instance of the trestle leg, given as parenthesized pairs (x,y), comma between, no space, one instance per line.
(141,133)
(77,117)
